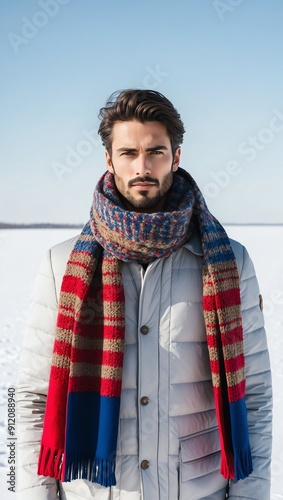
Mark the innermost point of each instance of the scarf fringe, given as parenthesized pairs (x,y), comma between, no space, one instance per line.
(243,463)
(227,466)
(238,467)
(50,462)
(98,470)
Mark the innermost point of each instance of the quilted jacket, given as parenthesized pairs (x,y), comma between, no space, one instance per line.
(168,442)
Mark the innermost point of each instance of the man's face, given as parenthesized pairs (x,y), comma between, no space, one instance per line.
(142,164)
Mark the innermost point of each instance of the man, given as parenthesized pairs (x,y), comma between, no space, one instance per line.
(160,385)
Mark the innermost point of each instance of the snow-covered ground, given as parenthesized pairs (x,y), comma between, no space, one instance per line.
(20,254)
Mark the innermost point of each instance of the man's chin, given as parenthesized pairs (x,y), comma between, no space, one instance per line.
(144,203)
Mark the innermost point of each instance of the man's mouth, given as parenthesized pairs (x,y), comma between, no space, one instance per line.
(143,185)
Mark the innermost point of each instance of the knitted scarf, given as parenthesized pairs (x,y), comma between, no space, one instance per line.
(82,410)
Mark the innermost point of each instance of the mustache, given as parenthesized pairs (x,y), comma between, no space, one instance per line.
(143,179)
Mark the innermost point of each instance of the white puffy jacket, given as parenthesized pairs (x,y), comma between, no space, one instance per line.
(168,443)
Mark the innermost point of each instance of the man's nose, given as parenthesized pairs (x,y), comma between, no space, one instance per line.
(142,165)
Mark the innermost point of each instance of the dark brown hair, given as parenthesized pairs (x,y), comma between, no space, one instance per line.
(143,106)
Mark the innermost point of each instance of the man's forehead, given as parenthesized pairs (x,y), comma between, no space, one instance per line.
(129,132)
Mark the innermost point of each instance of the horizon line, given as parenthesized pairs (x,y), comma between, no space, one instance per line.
(63,225)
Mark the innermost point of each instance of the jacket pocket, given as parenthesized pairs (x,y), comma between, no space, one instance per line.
(200,466)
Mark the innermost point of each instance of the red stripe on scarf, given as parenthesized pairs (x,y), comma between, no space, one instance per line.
(237,392)
(234,364)
(105,387)
(66,322)
(222,300)
(234,392)
(227,458)
(228,338)
(93,356)
(231,365)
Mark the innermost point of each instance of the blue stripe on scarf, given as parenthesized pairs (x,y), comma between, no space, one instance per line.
(91,437)
(240,439)
(90,246)
(213,245)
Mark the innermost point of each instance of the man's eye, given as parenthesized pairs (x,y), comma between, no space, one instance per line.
(128,153)
(156,152)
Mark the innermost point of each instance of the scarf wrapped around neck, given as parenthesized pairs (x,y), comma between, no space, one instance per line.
(82,410)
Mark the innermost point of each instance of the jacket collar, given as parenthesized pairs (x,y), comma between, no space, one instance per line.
(194,244)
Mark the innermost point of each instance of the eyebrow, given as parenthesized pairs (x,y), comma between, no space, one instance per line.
(155,148)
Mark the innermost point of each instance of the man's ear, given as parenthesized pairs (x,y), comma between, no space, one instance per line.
(109,163)
(176,159)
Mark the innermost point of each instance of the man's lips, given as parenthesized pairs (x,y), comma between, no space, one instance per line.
(143,184)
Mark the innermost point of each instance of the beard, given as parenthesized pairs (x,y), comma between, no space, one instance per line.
(144,201)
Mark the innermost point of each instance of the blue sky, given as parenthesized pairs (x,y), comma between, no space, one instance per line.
(219,62)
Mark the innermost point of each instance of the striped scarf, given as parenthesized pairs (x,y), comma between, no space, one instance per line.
(82,410)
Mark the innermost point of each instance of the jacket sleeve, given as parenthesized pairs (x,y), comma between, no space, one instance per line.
(258,390)
(32,387)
